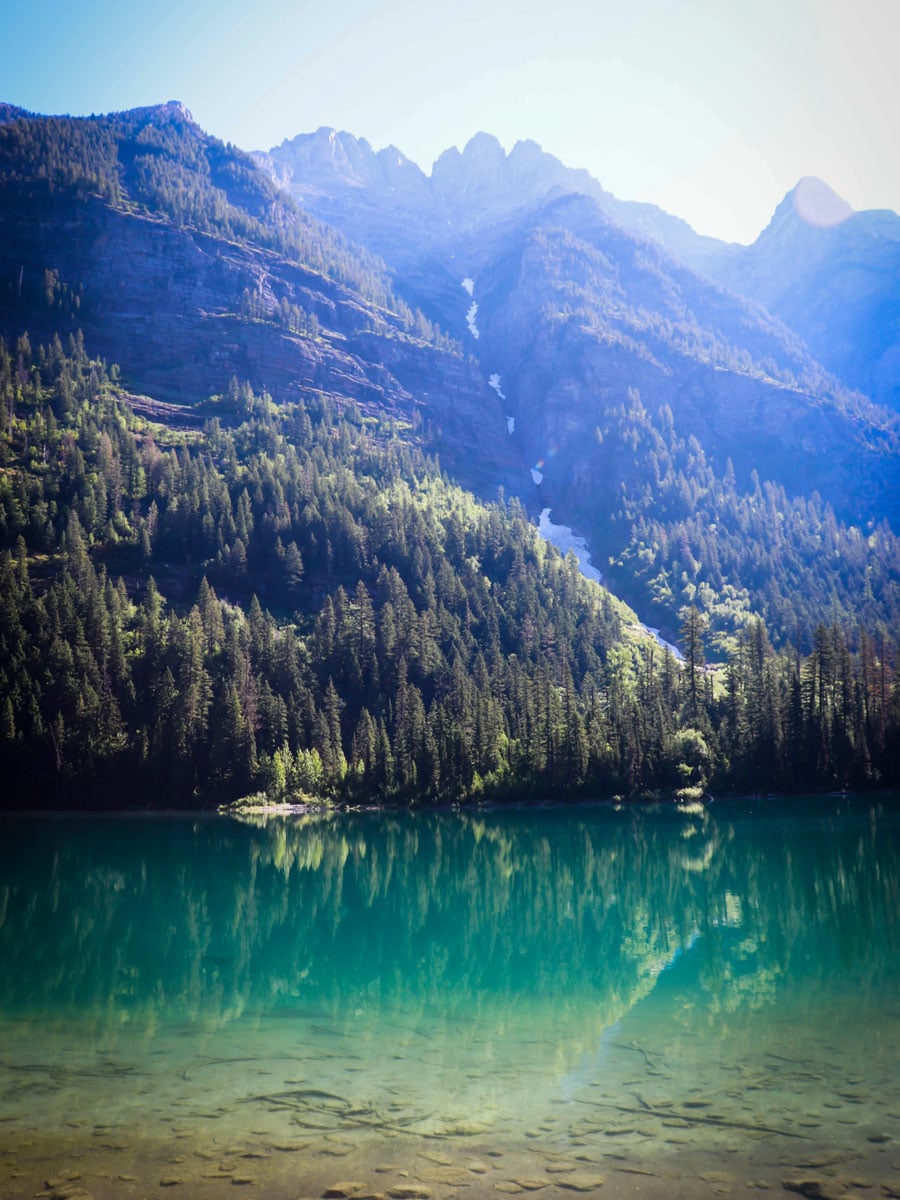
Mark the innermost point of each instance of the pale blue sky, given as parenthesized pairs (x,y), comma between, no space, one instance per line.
(711,108)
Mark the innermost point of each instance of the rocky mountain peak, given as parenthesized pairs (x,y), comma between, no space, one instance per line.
(483,147)
(172,111)
(484,179)
(334,160)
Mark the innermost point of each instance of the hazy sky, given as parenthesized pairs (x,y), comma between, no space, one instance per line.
(711,108)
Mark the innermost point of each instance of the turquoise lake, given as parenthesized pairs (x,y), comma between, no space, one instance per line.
(621,1002)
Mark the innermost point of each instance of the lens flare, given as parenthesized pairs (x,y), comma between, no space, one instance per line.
(817,204)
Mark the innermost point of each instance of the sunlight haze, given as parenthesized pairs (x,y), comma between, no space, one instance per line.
(711,110)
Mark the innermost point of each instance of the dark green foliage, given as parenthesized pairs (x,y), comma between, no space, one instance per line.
(684,534)
(304,606)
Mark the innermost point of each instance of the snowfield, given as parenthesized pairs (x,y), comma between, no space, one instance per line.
(565,540)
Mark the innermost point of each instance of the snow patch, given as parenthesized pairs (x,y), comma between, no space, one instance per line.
(537,475)
(470,320)
(494,382)
(511,424)
(468,285)
(565,540)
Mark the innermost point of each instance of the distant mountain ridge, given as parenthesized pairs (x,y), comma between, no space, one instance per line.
(830,274)
(656,291)
(325,168)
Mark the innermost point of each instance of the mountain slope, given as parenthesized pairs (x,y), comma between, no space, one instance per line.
(342,180)
(617,363)
(575,313)
(299,608)
(736,378)
(182,262)
(276,590)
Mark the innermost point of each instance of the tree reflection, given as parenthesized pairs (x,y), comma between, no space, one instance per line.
(498,912)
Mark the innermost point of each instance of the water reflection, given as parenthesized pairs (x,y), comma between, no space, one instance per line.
(474,999)
(209,920)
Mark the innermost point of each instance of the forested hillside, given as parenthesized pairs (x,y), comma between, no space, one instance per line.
(182,263)
(267,530)
(158,159)
(292,600)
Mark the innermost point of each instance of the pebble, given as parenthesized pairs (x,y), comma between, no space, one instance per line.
(170,1181)
(581,1183)
(455,1176)
(529,1184)
(410,1191)
(344,1190)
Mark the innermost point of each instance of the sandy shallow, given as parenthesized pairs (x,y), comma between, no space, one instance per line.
(289,1109)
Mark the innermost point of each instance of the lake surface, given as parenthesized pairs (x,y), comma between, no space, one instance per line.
(641,1002)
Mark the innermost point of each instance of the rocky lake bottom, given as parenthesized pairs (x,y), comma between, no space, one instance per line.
(337,1045)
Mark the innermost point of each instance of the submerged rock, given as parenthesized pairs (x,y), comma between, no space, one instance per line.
(815,1189)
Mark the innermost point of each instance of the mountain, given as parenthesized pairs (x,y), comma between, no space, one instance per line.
(231,565)
(833,275)
(181,262)
(613,357)
(744,383)
(341,179)
(830,275)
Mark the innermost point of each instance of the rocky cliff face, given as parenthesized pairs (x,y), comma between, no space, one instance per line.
(581,296)
(386,202)
(570,351)
(182,311)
